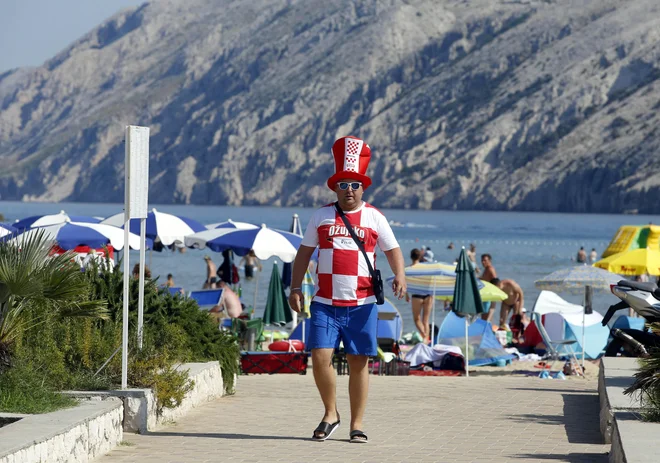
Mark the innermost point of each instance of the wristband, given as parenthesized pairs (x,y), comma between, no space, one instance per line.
(296,289)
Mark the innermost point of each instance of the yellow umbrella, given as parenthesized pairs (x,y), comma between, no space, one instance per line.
(489,293)
(637,262)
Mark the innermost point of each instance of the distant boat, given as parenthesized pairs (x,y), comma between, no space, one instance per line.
(631,211)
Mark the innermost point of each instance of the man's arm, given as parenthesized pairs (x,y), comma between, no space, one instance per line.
(521,300)
(395,259)
(297,274)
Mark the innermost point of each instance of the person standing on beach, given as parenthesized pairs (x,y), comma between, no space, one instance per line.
(593,256)
(489,271)
(581,256)
(515,300)
(472,256)
(211,278)
(343,308)
(421,303)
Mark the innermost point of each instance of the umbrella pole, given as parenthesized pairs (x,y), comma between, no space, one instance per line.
(587,300)
(256,290)
(432,333)
(467,355)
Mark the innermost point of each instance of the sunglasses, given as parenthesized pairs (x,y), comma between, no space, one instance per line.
(345,185)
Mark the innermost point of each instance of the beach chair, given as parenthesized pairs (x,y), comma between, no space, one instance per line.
(174,290)
(207,298)
(557,349)
(248,332)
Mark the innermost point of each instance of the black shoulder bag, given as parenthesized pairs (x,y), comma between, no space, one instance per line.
(376,279)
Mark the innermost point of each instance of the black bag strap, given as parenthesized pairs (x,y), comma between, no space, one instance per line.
(349,227)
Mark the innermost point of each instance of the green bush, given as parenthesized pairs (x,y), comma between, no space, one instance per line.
(172,323)
(647,381)
(67,353)
(24,389)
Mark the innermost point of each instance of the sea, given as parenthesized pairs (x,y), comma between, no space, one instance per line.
(525,246)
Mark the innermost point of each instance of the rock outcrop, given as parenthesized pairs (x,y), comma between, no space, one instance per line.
(544,105)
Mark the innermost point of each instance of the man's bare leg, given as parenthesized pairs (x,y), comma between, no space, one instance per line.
(358,387)
(326,382)
(488,316)
(504,313)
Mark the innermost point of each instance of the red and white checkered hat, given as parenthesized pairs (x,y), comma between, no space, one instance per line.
(352,157)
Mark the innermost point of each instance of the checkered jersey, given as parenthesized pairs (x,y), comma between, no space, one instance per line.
(343,276)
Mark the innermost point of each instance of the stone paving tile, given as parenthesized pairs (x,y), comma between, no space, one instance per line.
(424,419)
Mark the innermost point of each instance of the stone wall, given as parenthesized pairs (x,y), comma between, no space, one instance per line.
(74,435)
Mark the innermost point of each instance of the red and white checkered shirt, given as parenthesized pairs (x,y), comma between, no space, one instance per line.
(343,275)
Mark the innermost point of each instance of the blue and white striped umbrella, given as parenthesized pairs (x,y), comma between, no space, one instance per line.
(266,242)
(52,219)
(231,224)
(166,229)
(6,229)
(69,235)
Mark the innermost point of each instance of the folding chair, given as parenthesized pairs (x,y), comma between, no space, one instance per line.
(248,332)
(556,349)
(207,298)
(174,290)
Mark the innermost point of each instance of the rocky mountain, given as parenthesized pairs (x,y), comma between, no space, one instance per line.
(545,105)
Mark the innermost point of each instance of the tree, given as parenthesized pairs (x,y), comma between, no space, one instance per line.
(35,287)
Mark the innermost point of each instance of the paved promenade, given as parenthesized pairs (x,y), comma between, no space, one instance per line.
(409,419)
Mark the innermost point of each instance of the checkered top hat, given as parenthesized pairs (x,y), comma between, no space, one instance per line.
(352,157)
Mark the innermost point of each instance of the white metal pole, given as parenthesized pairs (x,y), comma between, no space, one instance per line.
(143,226)
(432,333)
(256,290)
(467,355)
(124,337)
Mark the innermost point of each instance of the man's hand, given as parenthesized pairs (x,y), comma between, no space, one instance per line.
(296,300)
(399,286)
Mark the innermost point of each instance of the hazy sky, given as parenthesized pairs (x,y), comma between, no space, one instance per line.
(31,31)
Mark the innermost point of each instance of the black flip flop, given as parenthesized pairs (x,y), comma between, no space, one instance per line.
(358,437)
(326,428)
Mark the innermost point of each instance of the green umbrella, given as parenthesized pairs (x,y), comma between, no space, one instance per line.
(467,300)
(277,310)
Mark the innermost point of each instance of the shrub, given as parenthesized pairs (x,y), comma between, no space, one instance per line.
(647,381)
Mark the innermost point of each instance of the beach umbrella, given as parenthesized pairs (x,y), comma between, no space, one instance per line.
(277,311)
(579,279)
(52,219)
(6,229)
(489,293)
(231,224)
(637,262)
(69,235)
(266,242)
(434,279)
(467,301)
(164,229)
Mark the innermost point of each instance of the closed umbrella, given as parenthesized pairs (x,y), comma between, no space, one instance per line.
(467,301)
(577,280)
(277,310)
(296,229)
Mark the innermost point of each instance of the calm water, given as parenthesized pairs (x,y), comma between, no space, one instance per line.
(524,246)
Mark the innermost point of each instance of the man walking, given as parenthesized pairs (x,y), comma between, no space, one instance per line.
(343,307)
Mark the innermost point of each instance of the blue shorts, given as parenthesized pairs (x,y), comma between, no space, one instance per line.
(355,326)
